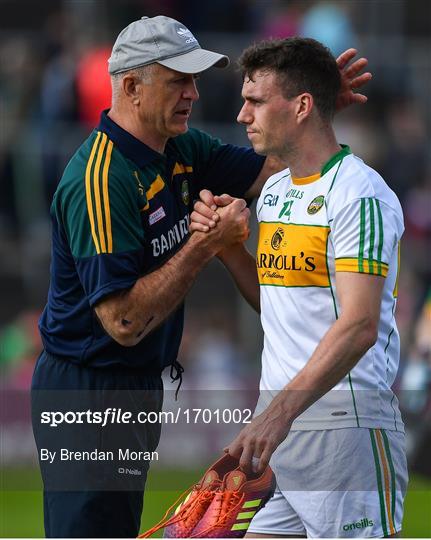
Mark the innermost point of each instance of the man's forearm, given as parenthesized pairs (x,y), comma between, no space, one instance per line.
(242,267)
(337,353)
(142,308)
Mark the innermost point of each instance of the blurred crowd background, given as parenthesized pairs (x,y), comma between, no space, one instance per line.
(53,85)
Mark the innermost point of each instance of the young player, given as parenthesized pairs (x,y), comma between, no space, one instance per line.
(327,265)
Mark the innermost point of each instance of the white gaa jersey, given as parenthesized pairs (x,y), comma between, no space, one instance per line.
(345,219)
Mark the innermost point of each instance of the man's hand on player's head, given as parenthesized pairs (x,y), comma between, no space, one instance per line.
(351,78)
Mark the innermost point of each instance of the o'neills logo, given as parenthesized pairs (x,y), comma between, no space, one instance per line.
(276,239)
(286,262)
(365,522)
(316,204)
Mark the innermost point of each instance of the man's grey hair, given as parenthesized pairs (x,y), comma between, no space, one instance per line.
(144,74)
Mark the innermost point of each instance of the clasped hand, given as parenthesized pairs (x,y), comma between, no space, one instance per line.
(224,217)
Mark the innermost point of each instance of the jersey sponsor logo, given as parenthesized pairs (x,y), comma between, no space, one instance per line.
(270,199)
(316,204)
(290,255)
(276,239)
(363,524)
(157,215)
(174,236)
(185,192)
(186,34)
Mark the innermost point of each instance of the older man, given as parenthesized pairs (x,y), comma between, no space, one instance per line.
(122,262)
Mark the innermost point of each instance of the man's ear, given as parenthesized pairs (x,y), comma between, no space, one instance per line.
(304,106)
(131,89)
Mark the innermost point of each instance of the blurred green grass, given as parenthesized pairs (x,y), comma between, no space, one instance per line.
(21,513)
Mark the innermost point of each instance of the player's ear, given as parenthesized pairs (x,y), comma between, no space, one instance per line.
(304,106)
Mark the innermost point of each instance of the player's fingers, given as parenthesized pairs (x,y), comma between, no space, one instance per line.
(223,200)
(208,198)
(234,449)
(355,68)
(198,227)
(245,461)
(239,204)
(200,218)
(359,81)
(264,460)
(206,212)
(246,213)
(345,58)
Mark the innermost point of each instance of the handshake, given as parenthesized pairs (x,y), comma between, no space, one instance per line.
(221,221)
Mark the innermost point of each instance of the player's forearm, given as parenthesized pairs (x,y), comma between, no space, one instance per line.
(242,267)
(337,353)
(131,316)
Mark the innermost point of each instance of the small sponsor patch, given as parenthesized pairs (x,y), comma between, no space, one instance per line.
(156,216)
(316,204)
(185,192)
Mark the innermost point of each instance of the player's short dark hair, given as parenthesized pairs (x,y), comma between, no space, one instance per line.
(301,64)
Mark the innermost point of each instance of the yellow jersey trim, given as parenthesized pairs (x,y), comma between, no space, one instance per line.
(306,179)
(106,197)
(88,193)
(368,267)
(155,188)
(96,184)
(181,169)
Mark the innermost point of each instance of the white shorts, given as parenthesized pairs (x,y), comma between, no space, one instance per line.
(346,483)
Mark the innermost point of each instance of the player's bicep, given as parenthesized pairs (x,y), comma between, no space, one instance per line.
(360,296)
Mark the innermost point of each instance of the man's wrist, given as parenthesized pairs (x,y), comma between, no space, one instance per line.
(202,244)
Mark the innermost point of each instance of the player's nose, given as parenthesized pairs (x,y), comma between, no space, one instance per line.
(244,115)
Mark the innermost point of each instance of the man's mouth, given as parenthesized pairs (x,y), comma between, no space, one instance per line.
(183,113)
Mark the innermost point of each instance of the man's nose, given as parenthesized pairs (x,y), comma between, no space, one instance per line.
(191,92)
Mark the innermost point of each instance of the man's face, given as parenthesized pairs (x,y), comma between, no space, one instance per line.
(166,102)
(268,116)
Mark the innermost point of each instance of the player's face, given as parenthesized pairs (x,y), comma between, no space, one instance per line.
(167,102)
(268,116)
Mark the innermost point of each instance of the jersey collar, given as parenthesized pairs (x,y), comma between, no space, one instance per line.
(341,154)
(129,146)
